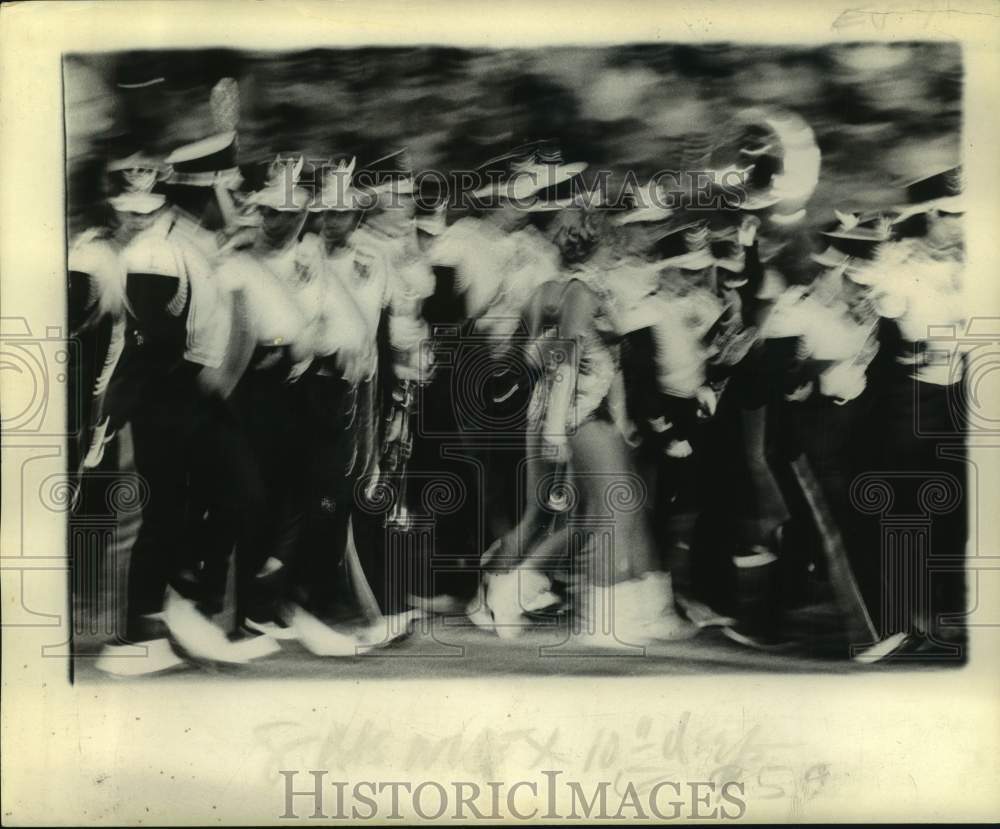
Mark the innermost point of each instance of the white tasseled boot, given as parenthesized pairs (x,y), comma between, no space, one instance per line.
(654,616)
(630,613)
(503,600)
(601,616)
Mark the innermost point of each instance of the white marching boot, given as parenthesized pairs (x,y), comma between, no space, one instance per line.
(322,640)
(204,641)
(629,614)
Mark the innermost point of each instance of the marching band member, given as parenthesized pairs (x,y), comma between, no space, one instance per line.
(202,180)
(915,282)
(393,298)
(682,338)
(825,332)
(499,260)
(342,287)
(389,231)
(783,170)
(274,351)
(97,317)
(573,416)
(178,327)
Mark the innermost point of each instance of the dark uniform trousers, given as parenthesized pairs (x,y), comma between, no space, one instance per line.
(183,441)
(331,412)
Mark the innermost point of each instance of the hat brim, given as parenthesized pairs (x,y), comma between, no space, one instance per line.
(786,219)
(402,186)
(548,205)
(829,258)
(207,179)
(198,149)
(142,203)
(858,234)
(644,214)
(121,164)
(759,202)
(949,204)
(340,208)
(276,198)
(694,261)
(558,174)
(353,202)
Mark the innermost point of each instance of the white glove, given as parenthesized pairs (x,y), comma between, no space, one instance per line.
(842,382)
(708,401)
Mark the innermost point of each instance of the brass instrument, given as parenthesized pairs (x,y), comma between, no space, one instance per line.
(397,447)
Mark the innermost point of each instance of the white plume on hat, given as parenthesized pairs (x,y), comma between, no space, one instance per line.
(848,221)
(281,190)
(336,190)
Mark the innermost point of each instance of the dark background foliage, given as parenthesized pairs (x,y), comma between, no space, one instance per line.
(881,113)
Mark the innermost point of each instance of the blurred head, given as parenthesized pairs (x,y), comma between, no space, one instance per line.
(393,214)
(944,230)
(336,226)
(127,224)
(635,239)
(509,216)
(576,232)
(200,202)
(280,227)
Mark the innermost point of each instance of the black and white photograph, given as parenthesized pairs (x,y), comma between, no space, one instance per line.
(379,363)
(550,360)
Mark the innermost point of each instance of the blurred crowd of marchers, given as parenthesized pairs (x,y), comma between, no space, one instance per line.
(882,114)
(262,346)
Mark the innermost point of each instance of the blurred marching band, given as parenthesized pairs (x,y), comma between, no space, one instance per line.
(271,335)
